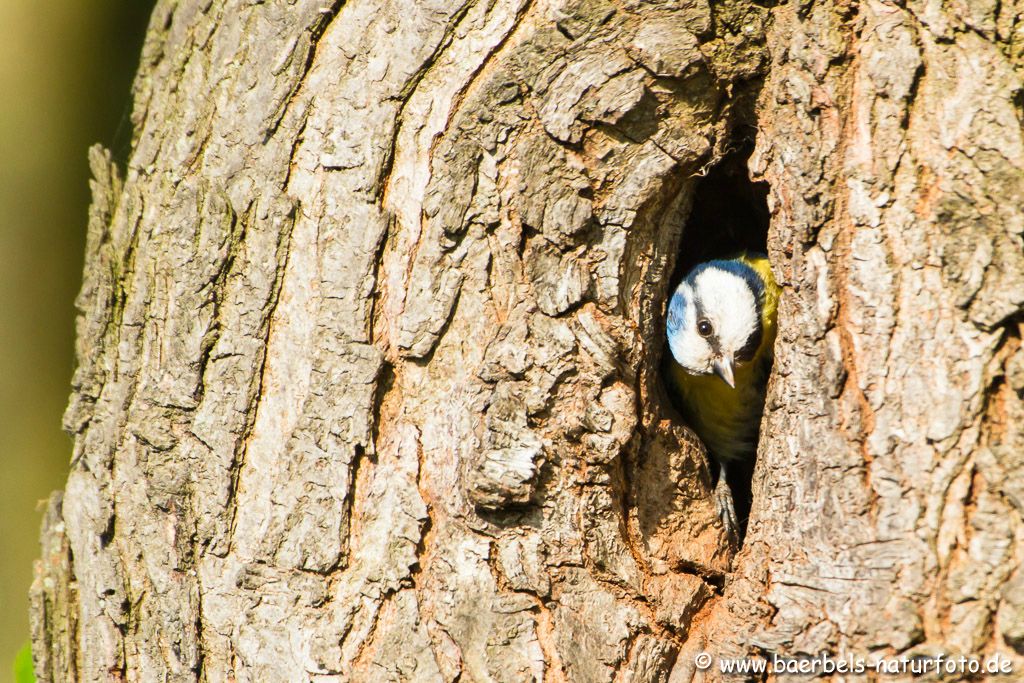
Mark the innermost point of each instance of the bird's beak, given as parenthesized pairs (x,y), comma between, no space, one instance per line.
(723,368)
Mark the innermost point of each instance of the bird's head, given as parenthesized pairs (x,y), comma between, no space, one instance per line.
(714,318)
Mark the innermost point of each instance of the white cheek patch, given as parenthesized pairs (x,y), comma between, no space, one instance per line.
(729,304)
(690,350)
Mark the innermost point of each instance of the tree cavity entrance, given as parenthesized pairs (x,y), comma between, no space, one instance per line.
(729,215)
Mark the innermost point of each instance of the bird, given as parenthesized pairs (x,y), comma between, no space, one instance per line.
(721,327)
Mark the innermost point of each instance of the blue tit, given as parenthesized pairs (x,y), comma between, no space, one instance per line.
(721,331)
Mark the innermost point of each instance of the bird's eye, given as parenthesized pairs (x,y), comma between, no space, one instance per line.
(704,328)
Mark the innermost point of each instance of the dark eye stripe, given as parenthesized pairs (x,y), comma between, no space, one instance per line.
(712,339)
(753,342)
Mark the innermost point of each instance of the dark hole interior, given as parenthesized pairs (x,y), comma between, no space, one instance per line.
(729,215)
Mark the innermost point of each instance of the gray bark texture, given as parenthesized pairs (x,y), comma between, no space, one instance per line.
(369,344)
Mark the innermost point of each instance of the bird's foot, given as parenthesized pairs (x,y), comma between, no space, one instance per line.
(725,506)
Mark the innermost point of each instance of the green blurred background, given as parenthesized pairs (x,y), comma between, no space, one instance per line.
(65,80)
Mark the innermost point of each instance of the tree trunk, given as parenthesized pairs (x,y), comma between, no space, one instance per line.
(369,344)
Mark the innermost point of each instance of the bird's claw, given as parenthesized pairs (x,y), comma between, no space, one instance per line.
(726,508)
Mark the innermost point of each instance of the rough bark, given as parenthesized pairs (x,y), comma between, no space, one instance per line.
(371,326)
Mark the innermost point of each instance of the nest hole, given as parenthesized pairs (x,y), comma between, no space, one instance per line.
(729,214)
